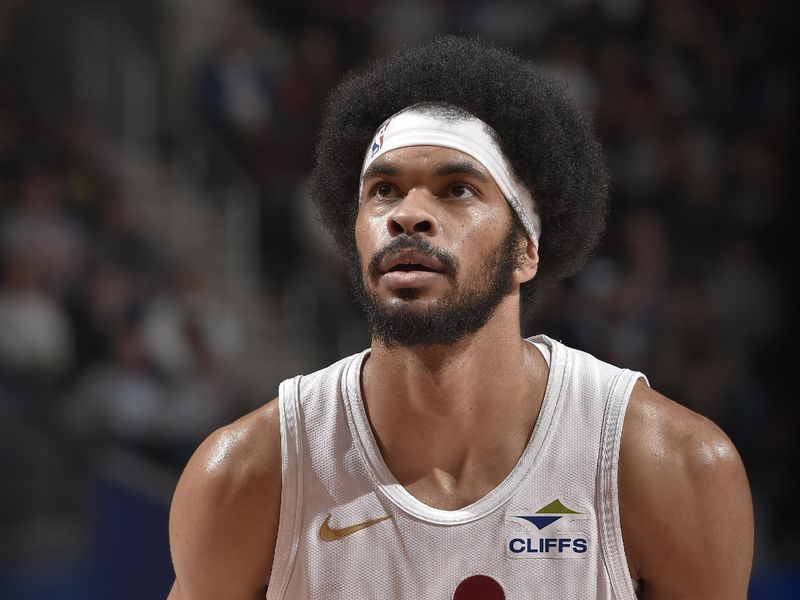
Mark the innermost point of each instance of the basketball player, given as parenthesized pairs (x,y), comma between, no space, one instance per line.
(454,458)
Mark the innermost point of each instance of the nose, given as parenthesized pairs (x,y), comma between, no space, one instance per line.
(413,214)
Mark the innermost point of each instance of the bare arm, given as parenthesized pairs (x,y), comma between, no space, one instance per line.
(224,515)
(686,511)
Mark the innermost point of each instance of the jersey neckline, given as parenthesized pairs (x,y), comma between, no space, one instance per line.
(385,481)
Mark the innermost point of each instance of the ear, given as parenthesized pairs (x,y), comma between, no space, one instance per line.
(528,263)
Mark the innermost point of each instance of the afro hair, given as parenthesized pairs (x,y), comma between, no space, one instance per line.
(548,139)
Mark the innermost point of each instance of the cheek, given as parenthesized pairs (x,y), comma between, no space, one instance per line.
(368,236)
(480,230)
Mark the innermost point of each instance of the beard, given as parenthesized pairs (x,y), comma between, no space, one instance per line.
(461,312)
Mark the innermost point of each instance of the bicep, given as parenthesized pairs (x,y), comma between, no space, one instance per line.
(686,509)
(225,512)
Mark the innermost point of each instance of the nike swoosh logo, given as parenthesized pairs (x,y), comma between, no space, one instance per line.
(328,534)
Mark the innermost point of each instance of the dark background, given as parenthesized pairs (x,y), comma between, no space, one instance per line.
(161,272)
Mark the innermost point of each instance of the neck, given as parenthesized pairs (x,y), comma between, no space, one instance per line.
(463,378)
(451,421)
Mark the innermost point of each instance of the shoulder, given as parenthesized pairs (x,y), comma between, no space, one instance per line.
(239,457)
(685,502)
(661,432)
(226,508)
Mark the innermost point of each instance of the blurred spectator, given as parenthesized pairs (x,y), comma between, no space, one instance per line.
(565,61)
(10,159)
(619,303)
(35,340)
(120,240)
(189,332)
(237,88)
(81,165)
(128,400)
(314,69)
(746,293)
(119,397)
(108,296)
(37,227)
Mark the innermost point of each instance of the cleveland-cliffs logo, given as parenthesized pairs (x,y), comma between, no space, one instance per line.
(544,535)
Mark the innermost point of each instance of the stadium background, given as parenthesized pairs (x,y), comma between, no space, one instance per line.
(161,271)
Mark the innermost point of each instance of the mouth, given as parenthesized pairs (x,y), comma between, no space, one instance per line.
(410,260)
(409,268)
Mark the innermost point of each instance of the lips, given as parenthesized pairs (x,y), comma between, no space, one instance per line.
(409,268)
(409,260)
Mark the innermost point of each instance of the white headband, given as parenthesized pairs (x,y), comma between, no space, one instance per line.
(416,126)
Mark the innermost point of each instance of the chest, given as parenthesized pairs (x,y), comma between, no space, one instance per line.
(456,475)
(443,491)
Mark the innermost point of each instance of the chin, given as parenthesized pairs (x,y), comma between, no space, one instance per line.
(406,294)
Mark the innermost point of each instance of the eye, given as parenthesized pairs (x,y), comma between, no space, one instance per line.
(385,190)
(462,190)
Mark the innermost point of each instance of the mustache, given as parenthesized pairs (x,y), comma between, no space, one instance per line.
(421,245)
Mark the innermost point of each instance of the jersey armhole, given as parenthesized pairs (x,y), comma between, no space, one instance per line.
(291,490)
(608,486)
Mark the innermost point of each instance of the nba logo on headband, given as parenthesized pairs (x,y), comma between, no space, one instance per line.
(377,143)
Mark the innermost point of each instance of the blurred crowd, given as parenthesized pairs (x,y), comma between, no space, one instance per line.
(104,339)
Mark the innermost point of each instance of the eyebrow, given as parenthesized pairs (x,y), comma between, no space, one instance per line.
(459,167)
(456,167)
(380,169)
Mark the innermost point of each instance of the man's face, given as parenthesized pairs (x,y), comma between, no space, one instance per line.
(437,245)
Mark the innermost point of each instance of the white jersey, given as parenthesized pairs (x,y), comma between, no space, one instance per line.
(551,529)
